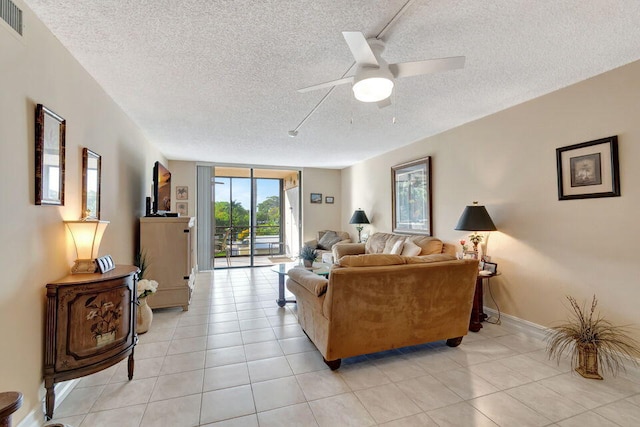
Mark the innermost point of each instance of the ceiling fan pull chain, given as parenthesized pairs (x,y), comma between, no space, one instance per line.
(395,108)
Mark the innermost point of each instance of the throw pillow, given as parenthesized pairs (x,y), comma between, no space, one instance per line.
(392,243)
(397,248)
(410,249)
(328,239)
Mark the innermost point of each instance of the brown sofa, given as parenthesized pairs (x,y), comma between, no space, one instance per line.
(377,302)
(383,242)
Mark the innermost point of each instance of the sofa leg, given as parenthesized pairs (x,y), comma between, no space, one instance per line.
(454,342)
(333,364)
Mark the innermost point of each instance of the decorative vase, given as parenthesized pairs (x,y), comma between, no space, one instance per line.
(308,263)
(588,361)
(145,316)
(106,338)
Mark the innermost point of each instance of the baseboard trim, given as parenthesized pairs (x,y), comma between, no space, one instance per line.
(522,325)
(536,330)
(35,418)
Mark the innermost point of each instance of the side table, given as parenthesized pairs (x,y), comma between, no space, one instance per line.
(10,402)
(477,311)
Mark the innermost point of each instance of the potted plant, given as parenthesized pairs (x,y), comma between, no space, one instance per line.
(146,287)
(145,315)
(308,255)
(591,340)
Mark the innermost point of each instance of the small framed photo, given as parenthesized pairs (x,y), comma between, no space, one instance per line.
(105,263)
(329,200)
(182,208)
(470,255)
(182,193)
(316,197)
(491,267)
(589,169)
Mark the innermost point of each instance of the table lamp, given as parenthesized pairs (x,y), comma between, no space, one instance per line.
(359,218)
(86,238)
(475,218)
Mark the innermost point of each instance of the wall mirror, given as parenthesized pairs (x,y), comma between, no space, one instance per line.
(91,168)
(49,157)
(411,197)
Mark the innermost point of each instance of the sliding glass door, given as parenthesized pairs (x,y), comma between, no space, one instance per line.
(252,216)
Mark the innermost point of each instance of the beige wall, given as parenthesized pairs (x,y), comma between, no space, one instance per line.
(183,174)
(36,248)
(545,248)
(320,216)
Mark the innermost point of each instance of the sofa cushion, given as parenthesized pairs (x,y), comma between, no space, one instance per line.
(429,258)
(430,245)
(312,282)
(328,239)
(410,249)
(370,260)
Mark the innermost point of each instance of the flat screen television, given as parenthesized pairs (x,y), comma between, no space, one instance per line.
(161,189)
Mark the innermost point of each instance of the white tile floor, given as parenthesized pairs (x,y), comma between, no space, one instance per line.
(236,359)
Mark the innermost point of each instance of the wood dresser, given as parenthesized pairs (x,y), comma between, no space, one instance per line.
(168,244)
(90,325)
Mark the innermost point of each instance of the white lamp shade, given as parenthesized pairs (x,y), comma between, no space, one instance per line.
(373,89)
(86,237)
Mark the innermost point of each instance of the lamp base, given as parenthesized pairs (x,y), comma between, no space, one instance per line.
(84,266)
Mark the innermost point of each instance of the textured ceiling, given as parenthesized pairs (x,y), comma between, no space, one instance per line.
(216,80)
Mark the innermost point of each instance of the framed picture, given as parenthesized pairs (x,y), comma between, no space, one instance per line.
(589,169)
(91,170)
(182,208)
(329,200)
(182,193)
(491,267)
(411,197)
(470,255)
(49,157)
(316,197)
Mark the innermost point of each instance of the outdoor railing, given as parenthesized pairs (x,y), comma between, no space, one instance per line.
(239,241)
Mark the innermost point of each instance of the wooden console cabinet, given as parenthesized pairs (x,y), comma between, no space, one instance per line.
(90,325)
(169,247)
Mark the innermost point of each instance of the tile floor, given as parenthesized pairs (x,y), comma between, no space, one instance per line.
(236,359)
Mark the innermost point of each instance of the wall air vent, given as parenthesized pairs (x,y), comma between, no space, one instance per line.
(11,14)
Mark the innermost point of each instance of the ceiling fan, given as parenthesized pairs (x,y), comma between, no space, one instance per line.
(373,80)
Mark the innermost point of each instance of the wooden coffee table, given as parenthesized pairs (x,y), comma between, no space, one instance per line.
(320,268)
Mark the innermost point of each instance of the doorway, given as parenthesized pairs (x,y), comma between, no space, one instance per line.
(255,216)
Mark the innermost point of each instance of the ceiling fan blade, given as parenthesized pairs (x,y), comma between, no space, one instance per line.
(384,103)
(360,49)
(408,69)
(326,84)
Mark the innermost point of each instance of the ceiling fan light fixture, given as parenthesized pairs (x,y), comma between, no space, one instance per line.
(373,89)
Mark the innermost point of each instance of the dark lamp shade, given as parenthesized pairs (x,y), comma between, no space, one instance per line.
(475,218)
(359,217)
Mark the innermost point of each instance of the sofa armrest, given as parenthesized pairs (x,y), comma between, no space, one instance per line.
(312,282)
(342,249)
